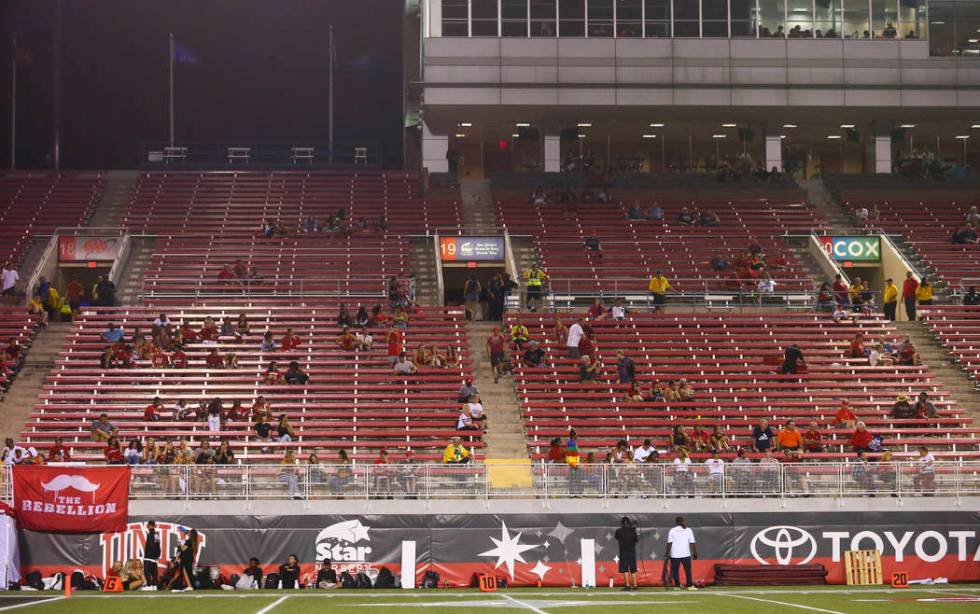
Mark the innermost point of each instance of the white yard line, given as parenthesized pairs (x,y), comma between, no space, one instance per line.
(29,604)
(522,604)
(272,605)
(783,603)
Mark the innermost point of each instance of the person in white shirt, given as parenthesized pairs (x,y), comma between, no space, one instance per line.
(575,334)
(163,321)
(683,481)
(464,422)
(10,279)
(474,408)
(716,470)
(681,550)
(618,311)
(640,454)
(925,478)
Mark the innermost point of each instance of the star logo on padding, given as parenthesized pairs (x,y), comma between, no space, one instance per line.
(561,532)
(540,570)
(509,549)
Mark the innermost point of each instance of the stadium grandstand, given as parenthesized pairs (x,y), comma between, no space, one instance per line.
(641,264)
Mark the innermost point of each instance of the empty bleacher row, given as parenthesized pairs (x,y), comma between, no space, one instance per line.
(633,250)
(729,361)
(958,328)
(205,221)
(352,401)
(35,203)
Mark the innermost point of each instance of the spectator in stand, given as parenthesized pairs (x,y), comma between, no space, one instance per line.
(635,212)
(404,366)
(113,452)
(924,407)
(618,311)
(597,310)
(290,341)
(214,360)
(467,390)
(973,217)
(655,213)
(971,297)
(575,334)
(716,470)
(854,293)
(658,287)
(593,244)
(825,298)
(422,357)
(634,393)
(841,290)
(641,453)
(345,341)
(763,436)
(902,408)
(215,415)
(179,360)
(471,295)
(534,355)
(263,430)
(857,346)
(538,197)
(587,370)
(113,333)
(102,429)
(295,375)
(393,340)
(625,368)
(556,451)
(268,343)
(792,360)
(862,472)
(789,438)
(455,453)
(700,439)
(685,217)
(923,294)
(965,235)
(924,479)
(272,373)
(813,439)
(225,455)
(474,409)
(74,293)
(181,411)
(226,274)
(720,440)
(362,318)
(464,422)
(861,438)
(364,340)
(518,334)
(845,418)
(907,354)
(709,218)
(679,439)
(9,277)
(58,452)
(133,454)
(153,410)
(685,393)
(242,328)
(909,289)
(496,349)
(231,360)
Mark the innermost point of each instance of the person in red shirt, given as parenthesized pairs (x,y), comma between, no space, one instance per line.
(113,452)
(227,274)
(908,295)
(394,341)
(59,450)
(261,406)
(273,375)
(188,333)
(857,346)
(346,341)
(160,358)
(813,439)
(214,360)
(74,293)
(209,332)
(700,440)
(240,269)
(496,343)
(237,411)
(122,355)
(290,341)
(841,290)
(861,438)
(178,359)
(845,418)
(556,451)
(378,317)
(152,411)
(382,457)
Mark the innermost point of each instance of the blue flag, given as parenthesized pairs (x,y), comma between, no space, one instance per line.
(183,53)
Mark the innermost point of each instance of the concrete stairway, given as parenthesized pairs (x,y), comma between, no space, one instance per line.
(130,283)
(116,195)
(955,381)
(479,211)
(820,198)
(505,436)
(19,401)
(423,264)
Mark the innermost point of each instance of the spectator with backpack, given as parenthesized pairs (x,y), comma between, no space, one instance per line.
(251,578)
(326,576)
(289,573)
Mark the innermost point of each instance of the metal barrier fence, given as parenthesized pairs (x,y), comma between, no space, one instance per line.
(551,481)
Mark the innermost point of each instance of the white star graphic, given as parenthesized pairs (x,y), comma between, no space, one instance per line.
(360,532)
(508,550)
(540,570)
(561,532)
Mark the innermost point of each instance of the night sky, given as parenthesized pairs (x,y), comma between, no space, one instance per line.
(262,75)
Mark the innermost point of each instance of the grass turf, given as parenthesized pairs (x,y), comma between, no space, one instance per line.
(832,600)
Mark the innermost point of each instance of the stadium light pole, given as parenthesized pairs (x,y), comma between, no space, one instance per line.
(13,108)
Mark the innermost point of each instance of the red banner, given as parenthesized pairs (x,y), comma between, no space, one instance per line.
(69,499)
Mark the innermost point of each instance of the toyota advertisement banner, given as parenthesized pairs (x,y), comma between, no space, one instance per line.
(67,499)
(541,548)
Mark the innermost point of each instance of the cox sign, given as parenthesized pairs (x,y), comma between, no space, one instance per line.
(852,249)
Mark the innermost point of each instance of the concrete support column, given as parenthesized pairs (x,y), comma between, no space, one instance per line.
(883,154)
(434,149)
(552,153)
(774,152)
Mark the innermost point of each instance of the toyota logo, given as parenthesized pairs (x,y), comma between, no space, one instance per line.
(784,540)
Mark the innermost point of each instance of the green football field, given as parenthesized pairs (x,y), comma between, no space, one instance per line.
(833,600)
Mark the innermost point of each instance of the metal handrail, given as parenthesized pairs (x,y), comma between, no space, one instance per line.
(550,481)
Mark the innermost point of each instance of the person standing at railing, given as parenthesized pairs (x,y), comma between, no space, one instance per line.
(889,299)
(658,287)
(909,289)
(925,476)
(535,286)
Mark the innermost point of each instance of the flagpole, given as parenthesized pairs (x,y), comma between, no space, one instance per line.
(171,89)
(330,107)
(13,111)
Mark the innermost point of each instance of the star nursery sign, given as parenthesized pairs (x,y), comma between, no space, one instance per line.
(508,549)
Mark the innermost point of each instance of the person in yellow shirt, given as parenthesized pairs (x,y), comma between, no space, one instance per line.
(889,299)
(535,286)
(456,453)
(924,292)
(854,292)
(658,287)
(519,334)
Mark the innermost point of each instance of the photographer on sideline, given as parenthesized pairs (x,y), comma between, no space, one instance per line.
(627,538)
